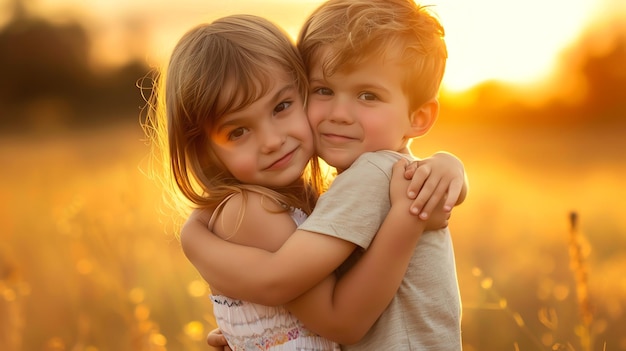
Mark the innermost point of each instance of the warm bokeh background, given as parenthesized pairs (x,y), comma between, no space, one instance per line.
(534,103)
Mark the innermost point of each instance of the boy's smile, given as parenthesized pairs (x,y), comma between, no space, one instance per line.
(336,138)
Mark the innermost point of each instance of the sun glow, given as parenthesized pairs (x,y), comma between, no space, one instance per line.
(511,41)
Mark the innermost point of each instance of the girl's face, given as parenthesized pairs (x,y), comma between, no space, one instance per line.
(270,142)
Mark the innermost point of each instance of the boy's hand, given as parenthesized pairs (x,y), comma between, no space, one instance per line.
(397,194)
(399,184)
(217,340)
(436,181)
(438,218)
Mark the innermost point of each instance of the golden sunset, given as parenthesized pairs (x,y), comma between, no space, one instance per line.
(533,102)
(488,39)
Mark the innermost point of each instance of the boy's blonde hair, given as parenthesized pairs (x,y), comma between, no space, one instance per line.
(342,33)
(215,69)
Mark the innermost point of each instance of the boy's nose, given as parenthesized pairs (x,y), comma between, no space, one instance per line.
(340,113)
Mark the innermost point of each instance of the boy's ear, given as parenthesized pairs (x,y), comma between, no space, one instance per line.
(423,118)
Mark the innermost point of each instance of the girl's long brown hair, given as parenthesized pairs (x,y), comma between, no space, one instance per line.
(192,95)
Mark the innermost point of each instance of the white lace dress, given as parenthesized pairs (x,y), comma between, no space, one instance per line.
(248,326)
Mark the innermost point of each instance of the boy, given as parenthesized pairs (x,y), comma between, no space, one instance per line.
(375,67)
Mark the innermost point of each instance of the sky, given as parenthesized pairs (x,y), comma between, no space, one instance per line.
(507,40)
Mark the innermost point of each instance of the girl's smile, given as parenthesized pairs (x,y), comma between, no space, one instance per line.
(269,142)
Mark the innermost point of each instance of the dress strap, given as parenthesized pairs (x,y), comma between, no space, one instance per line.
(217,211)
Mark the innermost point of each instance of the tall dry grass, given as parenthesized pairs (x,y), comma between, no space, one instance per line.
(583,331)
(87,262)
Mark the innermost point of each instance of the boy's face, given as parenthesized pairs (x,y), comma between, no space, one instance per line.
(269,142)
(359,110)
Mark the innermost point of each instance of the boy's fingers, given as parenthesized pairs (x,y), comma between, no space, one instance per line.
(437,198)
(429,208)
(409,170)
(400,165)
(418,182)
(398,168)
(453,195)
(425,195)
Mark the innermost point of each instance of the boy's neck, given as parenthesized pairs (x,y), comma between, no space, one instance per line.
(406,151)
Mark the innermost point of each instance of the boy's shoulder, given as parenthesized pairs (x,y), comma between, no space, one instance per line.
(370,168)
(384,160)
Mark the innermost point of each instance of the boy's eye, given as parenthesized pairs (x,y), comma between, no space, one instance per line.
(368,96)
(323,91)
(237,133)
(282,106)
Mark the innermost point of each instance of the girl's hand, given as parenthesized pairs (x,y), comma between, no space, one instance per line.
(437,180)
(217,340)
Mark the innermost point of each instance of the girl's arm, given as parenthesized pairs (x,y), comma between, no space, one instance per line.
(345,310)
(259,275)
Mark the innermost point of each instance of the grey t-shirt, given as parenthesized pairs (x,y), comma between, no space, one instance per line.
(425,314)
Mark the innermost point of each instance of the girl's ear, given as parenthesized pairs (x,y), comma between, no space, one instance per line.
(423,118)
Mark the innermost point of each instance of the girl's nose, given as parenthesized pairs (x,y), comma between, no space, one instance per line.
(272,138)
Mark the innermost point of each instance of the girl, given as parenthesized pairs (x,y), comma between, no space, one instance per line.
(241,151)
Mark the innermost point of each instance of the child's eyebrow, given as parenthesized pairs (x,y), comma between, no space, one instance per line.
(279,94)
(236,118)
(371,86)
(224,123)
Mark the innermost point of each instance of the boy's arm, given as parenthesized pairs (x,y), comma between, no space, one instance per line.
(346,309)
(256,275)
(440,176)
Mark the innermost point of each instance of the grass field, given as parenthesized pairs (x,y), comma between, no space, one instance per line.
(89,259)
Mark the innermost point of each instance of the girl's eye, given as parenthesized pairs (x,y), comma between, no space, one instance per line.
(237,133)
(282,106)
(323,91)
(368,97)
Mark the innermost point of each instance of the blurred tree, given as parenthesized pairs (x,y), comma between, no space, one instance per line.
(605,74)
(40,59)
(47,78)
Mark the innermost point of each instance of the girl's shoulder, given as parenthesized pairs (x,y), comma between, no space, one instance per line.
(253,219)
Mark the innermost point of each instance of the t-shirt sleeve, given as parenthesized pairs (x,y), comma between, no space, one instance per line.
(356,203)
